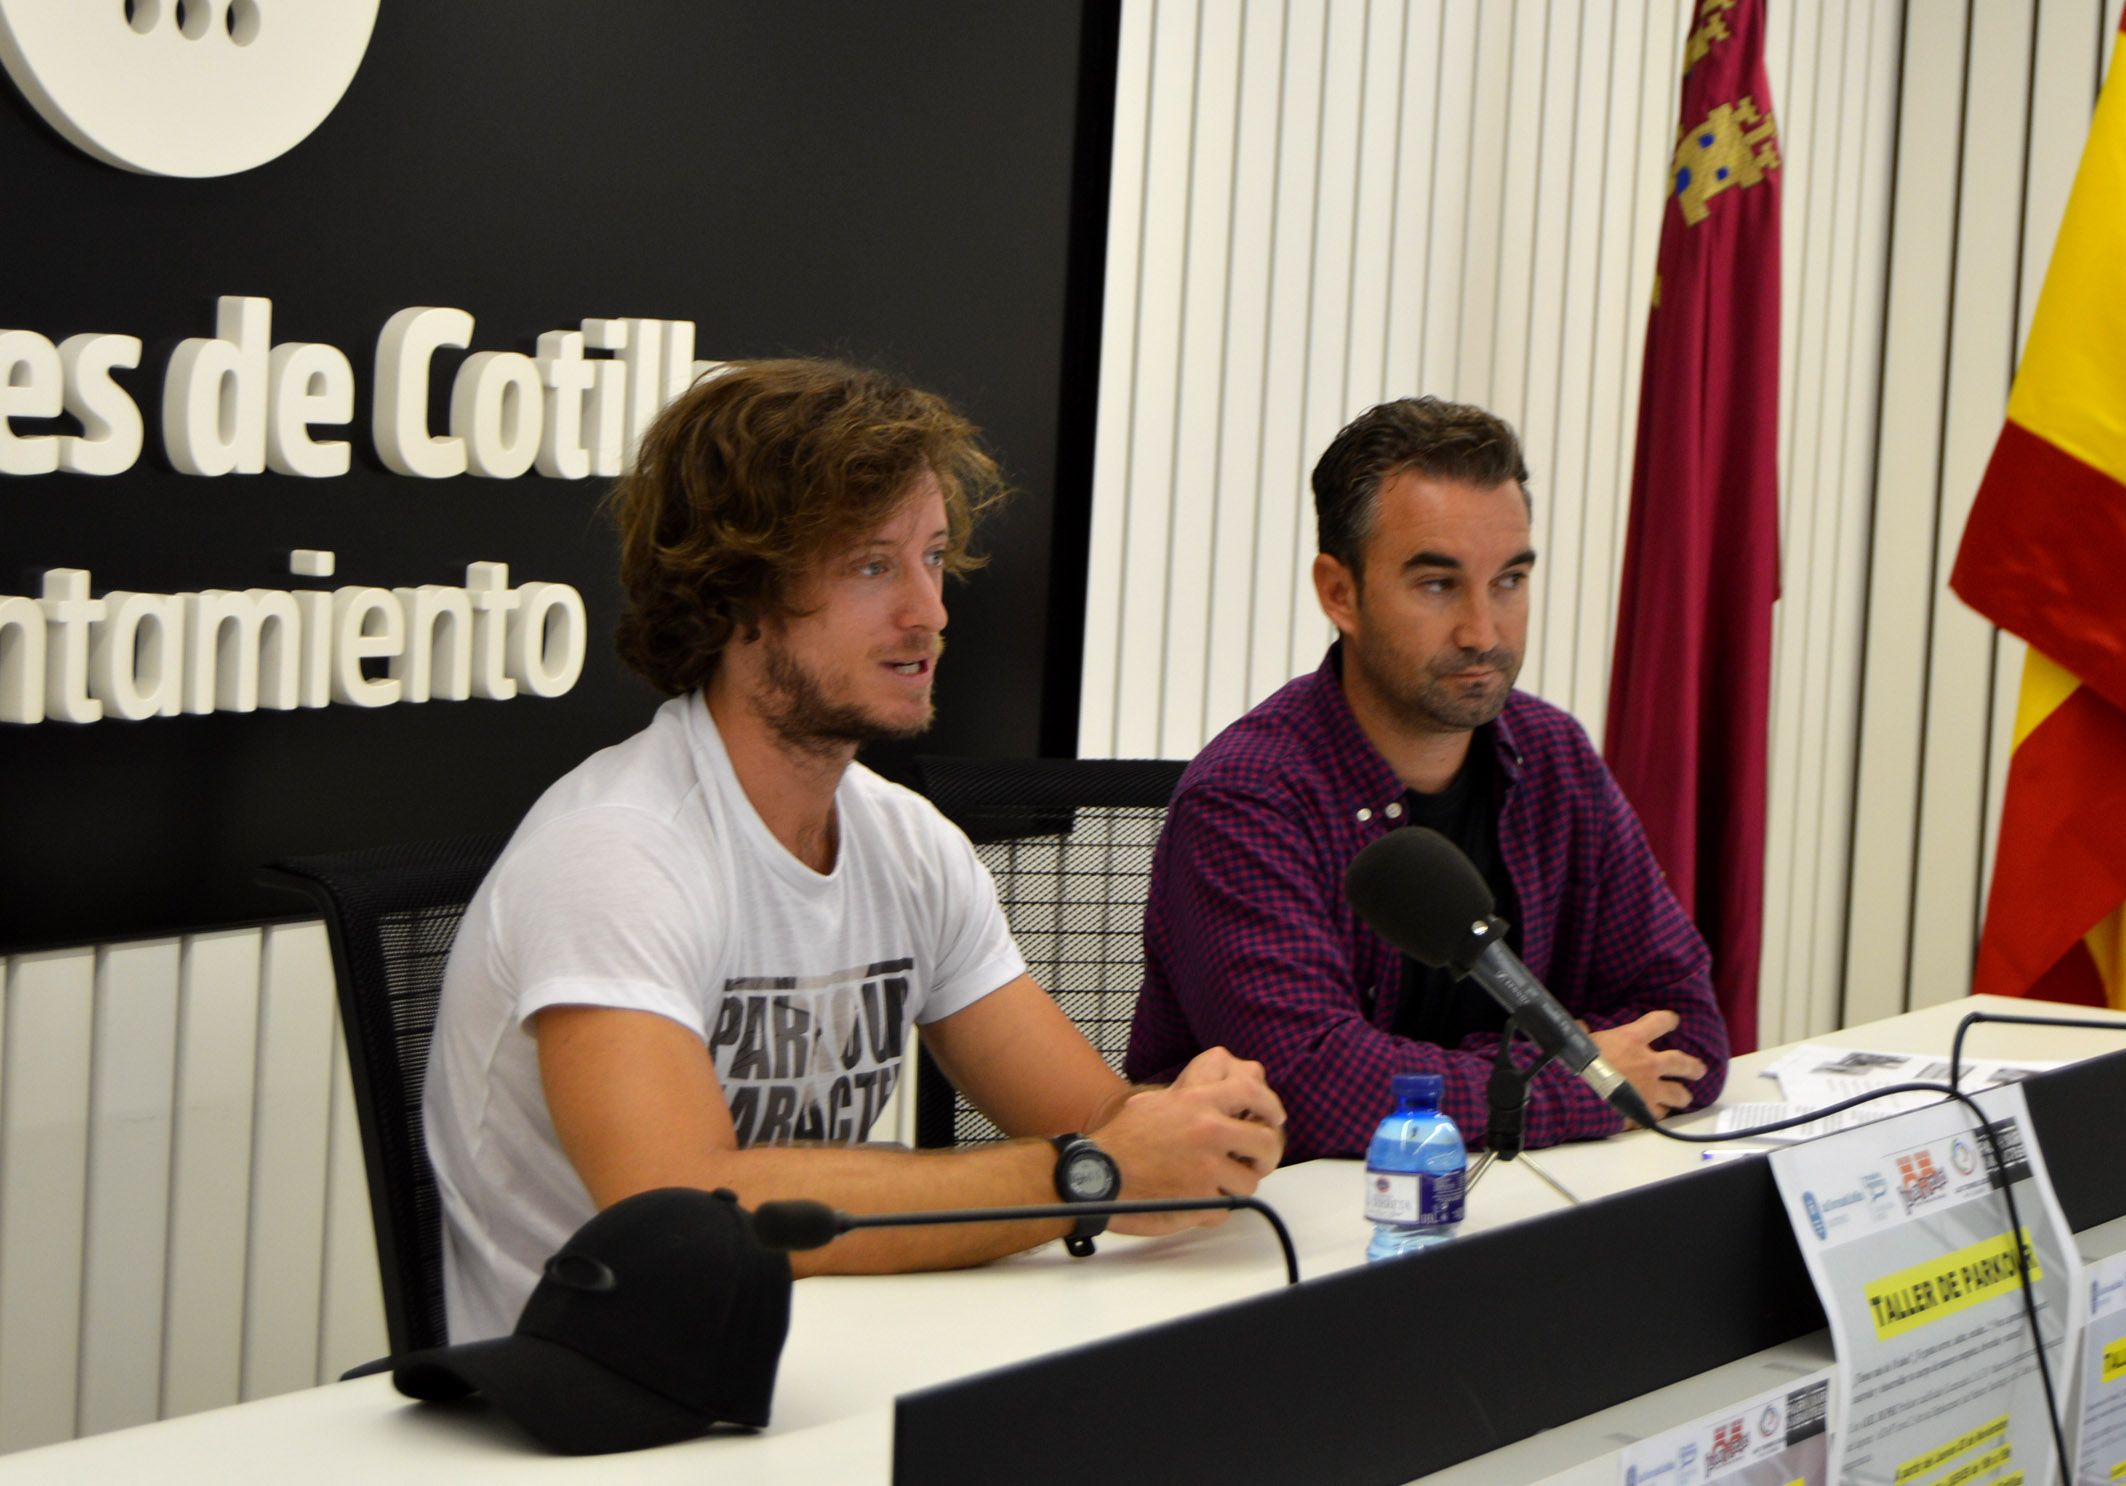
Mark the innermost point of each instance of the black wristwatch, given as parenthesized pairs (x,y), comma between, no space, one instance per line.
(1084,1173)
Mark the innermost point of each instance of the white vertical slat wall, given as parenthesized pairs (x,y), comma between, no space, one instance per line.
(184,1219)
(1321,203)
(1995,109)
(1835,80)
(184,1209)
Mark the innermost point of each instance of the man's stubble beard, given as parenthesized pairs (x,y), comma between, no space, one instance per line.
(1430,703)
(798,711)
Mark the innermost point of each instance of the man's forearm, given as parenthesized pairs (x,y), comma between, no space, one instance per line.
(871,1180)
(637,1107)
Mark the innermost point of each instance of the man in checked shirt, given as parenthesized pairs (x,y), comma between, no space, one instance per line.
(1412,719)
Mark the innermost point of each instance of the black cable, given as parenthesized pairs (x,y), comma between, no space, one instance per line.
(1049,1211)
(1956,1057)
(2022,1259)
(2000,1168)
(1973,1018)
(1291,1256)
(1715,1137)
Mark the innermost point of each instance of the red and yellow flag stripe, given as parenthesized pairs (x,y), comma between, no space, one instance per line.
(2044,556)
(2061,867)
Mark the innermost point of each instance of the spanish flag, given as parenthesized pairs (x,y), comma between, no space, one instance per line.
(2044,556)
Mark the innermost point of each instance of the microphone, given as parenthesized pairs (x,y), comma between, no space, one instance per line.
(1418,891)
(800,1223)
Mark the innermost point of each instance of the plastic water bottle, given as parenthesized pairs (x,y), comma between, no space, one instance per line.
(1414,1171)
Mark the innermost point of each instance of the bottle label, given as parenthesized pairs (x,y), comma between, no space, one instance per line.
(1411,1199)
(1440,1203)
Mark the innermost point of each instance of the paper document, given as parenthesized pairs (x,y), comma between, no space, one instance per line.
(1734,1118)
(1778,1438)
(1904,1228)
(2102,1452)
(1814,1075)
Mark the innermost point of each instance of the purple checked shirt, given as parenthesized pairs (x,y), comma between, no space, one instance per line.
(1250,943)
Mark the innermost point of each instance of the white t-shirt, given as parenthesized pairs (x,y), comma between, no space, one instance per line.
(644,879)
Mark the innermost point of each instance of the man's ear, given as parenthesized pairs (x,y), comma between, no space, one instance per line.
(1336,586)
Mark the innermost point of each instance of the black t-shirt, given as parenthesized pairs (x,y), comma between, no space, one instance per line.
(1434,1006)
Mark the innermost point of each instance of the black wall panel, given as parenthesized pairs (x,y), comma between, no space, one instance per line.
(920,186)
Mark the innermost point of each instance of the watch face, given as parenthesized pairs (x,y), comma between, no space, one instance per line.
(1090,1175)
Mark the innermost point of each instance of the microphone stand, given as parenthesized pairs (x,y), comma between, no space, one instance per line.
(806,1224)
(1507,1094)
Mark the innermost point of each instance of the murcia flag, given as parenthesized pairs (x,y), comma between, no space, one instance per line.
(1690,691)
(2044,556)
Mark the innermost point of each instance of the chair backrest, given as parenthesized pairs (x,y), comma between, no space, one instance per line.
(391,914)
(1069,842)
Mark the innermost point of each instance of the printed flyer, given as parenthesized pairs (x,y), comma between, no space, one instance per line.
(1906,1234)
(1779,1438)
(2101,1454)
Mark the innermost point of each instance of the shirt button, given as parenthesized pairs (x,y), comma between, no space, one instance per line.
(1365,814)
(1395,810)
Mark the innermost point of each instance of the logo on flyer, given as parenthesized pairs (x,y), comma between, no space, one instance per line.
(1730,1440)
(1878,1195)
(1919,1179)
(2013,1163)
(1830,1212)
(1768,1421)
(1808,1410)
(1961,1158)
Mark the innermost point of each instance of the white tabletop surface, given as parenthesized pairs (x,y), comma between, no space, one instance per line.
(857,1342)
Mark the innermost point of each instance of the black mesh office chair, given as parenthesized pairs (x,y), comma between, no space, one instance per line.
(391,914)
(1069,842)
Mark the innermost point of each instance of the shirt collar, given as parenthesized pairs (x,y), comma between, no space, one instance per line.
(1362,775)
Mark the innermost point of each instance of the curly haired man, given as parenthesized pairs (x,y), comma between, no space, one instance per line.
(696,962)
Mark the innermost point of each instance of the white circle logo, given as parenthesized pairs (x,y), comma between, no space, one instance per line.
(185,87)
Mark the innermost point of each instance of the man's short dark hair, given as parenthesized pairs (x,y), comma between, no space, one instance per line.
(1442,440)
(754,474)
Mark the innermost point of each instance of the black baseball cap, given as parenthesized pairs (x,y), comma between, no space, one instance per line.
(662,1317)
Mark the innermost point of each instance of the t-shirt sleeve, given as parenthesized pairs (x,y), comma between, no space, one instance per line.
(595,908)
(976,953)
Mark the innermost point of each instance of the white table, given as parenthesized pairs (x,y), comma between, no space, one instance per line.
(857,1342)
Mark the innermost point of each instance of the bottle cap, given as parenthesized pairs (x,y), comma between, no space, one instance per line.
(1424,1088)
